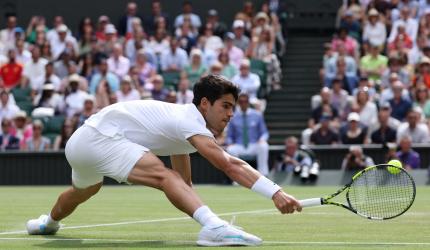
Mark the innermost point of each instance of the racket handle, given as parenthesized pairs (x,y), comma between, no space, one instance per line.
(310,202)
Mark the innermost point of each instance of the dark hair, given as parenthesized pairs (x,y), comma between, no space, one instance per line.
(213,87)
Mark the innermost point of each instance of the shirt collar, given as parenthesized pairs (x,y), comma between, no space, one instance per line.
(193,109)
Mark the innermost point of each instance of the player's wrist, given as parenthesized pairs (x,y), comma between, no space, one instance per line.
(265,187)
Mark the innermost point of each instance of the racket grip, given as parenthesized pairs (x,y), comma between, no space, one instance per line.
(310,202)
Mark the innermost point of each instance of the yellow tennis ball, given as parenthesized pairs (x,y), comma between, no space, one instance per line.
(395,163)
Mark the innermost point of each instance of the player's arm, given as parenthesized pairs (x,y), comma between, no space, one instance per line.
(182,165)
(241,172)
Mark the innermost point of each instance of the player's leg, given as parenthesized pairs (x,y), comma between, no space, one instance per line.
(65,205)
(150,171)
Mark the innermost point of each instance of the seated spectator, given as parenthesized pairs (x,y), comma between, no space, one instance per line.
(156,14)
(117,63)
(104,96)
(50,99)
(67,130)
(8,109)
(325,106)
(21,129)
(423,74)
(61,67)
(7,140)
(219,27)
(75,99)
(104,75)
(339,98)
(356,159)
(228,69)
(37,142)
(399,105)
(324,135)
(373,64)
(293,159)
(174,59)
(60,42)
(409,158)
(51,77)
(195,69)
(145,69)
(11,72)
(341,66)
(127,91)
(138,44)
(384,131)
(247,81)
(159,92)
(402,41)
(387,94)
(344,39)
(353,132)
(88,110)
(210,41)
(412,127)
(235,54)
(184,94)
(395,66)
(351,24)
(247,134)
(366,108)
(422,100)
(241,40)
(187,12)
(187,35)
(365,83)
(374,30)
(410,24)
(110,39)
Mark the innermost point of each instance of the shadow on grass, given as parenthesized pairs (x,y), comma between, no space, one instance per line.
(59,242)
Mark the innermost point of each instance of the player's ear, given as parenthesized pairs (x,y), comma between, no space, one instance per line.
(204,102)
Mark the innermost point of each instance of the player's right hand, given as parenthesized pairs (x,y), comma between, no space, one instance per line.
(286,203)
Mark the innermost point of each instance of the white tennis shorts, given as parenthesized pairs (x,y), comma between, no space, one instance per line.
(93,155)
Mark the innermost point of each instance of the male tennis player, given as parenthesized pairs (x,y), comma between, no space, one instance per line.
(122,141)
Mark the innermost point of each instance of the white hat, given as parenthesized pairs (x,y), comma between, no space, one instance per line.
(48,86)
(354,116)
(20,114)
(62,28)
(373,12)
(110,29)
(238,24)
(74,78)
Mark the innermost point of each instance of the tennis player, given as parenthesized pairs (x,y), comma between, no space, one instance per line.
(122,141)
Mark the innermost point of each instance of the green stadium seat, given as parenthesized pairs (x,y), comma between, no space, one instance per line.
(171,79)
(259,67)
(26,106)
(21,94)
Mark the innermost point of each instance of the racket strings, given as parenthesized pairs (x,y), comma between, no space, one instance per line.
(379,193)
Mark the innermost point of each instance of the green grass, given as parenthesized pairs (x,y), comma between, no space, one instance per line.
(315,228)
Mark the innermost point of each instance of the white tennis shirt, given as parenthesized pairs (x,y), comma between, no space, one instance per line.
(161,127)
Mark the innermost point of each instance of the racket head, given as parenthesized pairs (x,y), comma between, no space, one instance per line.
(381,192)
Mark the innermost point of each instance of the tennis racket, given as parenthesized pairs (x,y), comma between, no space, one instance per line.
(378,192)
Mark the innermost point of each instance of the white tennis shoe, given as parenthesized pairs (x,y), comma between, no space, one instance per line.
(39,226)
(226,235)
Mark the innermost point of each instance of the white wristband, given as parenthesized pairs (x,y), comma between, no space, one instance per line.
(265,187)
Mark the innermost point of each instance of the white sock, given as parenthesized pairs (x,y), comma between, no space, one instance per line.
(205,217)
(50,221)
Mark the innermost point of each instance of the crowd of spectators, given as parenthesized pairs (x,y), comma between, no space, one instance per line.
(53,71)
(375,77)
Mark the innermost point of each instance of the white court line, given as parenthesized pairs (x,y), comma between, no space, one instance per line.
(144,221)
(264,243)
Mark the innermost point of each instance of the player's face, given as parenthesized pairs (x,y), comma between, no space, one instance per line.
(219,114)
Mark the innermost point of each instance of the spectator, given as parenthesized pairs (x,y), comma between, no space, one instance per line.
(324,135)
(247,134)
(227,69)
(339,98)
(187,12)
(409,158)
(48,98)
(145,69)
(37,142)
(375,31)
(195,69)
(219,27)
(67,130)
(87,111)
(423,74)
(399,105)
(351,24)
(101,28)
(138,44)
(412,127)
(353,132)
(365,83)
(211,42)
(23,55)
(156,14)
(235,54)
(341,66)
(344,39)
(240,39)
(104,75)
(7,35)
(21,129)
(356,160)
(373,64)
(7,140)
(293,157)
(104,96)
(324,106)
(388,93)
(422,100)
(247,81)
(402,41)
(63,41)
(117,63)
(11,72)
(124,24)
(187,35)
(411,25)
(34,71)
(395,66)
(174,59)
(110,39)
(127,91)
(75,99)
(61,67)
(384,130)
(184,94)
(36,24)
(8,109)
(159,92)
(367,109)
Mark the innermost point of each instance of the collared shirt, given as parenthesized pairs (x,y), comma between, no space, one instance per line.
(119,66)
(111,78)
(179,58)
(257,129)
(248,84)
(184,98)
(420,134)
(35,72)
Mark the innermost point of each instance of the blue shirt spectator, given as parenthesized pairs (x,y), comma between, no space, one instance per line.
(103,74)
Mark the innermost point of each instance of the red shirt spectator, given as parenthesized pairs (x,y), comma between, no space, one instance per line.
(11,72)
